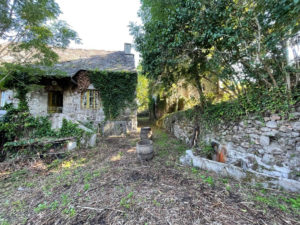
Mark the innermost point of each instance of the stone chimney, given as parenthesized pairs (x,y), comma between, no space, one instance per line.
(127,48)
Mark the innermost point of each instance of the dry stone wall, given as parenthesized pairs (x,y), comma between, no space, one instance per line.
(270,146)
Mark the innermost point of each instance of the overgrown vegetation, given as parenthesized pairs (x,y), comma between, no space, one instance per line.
(20,129)
(117,90)
(239,47)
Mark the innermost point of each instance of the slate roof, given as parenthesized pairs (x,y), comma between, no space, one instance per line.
(72,61)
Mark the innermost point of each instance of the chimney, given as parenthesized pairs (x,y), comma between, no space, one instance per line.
(127,48)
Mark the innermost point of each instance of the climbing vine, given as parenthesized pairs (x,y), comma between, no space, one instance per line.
(117,90)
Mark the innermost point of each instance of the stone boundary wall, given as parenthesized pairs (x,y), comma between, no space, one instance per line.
(270,146)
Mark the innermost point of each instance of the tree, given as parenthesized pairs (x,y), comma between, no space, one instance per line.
(32,31)
(142,91)
(240,42)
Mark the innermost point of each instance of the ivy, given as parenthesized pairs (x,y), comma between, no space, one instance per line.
(117,90)
(20,128)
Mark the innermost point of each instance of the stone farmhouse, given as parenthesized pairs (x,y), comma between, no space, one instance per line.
(59,96)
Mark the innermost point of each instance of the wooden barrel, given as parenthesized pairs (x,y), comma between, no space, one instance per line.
(146,133)
(144,149)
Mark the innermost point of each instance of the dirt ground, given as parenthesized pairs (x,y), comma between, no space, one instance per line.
(108,185)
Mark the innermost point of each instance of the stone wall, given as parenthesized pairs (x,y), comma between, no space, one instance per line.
(72,108)
(38,102)
(270,146)
(38,106)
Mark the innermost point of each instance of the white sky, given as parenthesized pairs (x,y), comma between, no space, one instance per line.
(101,24)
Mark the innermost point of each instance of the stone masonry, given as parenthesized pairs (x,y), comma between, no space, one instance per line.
(271,146)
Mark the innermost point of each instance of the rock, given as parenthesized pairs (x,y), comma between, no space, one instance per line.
(266,119)
(93,140)
(295,115)
(264,140)
(272,133)
(259,123)
(296,126)
(275,117)
(294,134)
(274,149)
(267,158)
(298,147)
(245,144)
(271,124)
(298,109)
(265,129)
(284,129)
(21,189)
(71,145)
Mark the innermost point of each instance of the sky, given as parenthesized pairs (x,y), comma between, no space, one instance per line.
(101,24)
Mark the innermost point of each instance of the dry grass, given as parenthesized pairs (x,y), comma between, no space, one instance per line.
(108,185)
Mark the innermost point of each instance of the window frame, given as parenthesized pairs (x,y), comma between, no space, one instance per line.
(87,94)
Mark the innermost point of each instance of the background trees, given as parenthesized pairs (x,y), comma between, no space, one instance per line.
(31,30)
(237,43)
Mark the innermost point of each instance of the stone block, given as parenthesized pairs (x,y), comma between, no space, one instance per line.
(275,117)
(271,124)
(71,145)
(93,140)
(265,129)
(272,133)
(267,158)
(264,140)
(274,149)
(296,126)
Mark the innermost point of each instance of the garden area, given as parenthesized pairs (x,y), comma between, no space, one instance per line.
(109,185)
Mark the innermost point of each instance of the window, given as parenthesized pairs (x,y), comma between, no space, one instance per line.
(55,102)
(90,100)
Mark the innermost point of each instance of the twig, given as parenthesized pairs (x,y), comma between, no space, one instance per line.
(97,209)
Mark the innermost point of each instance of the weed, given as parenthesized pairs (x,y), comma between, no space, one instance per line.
(55,164)
(228,187)
(195,170)
(64,199)
(87,177)
(209,180)
(96,174)
(46,189)
(156,203)
(225,181)
(3,221)
(19,205)
(41,207)
(127,201)
(69,211)
(86,186)
(54,205)
(17,175)
(29,184)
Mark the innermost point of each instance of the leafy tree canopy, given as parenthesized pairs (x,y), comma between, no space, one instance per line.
(31,30)
(241,42)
